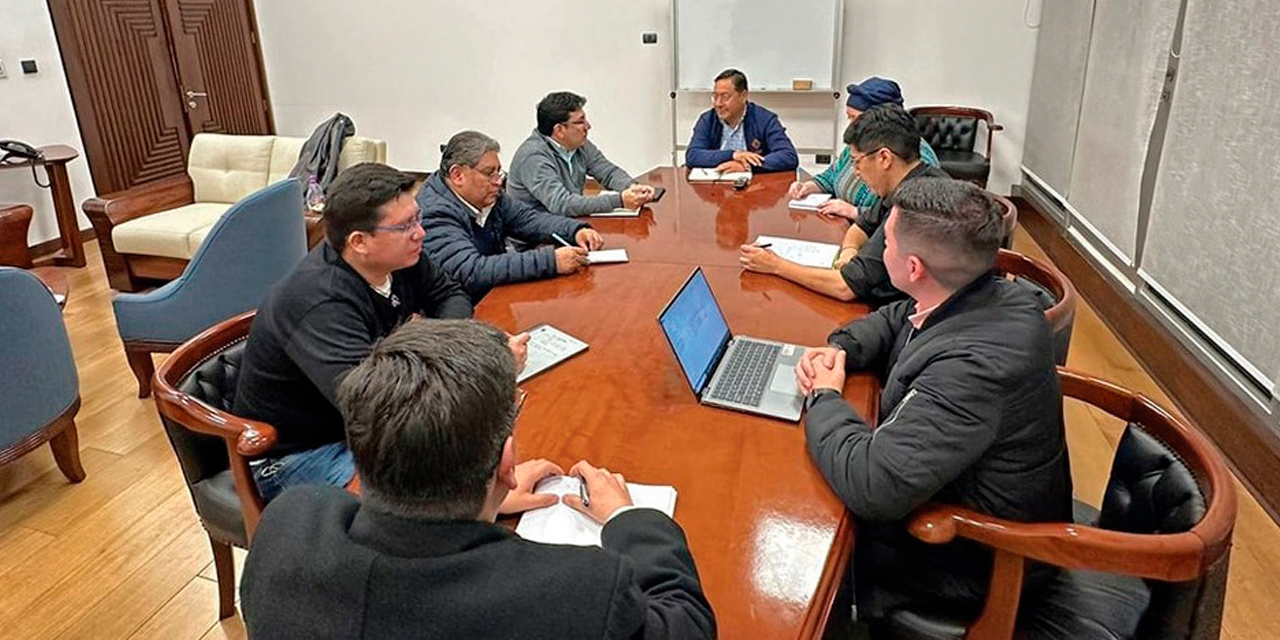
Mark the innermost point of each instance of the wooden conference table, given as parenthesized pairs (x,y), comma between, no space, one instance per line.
(770,538)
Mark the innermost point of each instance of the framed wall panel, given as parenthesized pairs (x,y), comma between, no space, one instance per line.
(1057,87)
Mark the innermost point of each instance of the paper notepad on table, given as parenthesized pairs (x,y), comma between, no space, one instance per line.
(561,524)
(804,252)
(711,175)
(809,202)
(620,212)
(606,256)
(548,346)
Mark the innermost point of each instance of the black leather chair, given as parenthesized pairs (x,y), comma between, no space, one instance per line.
(1152,564)
(953,132)
(194,391)
(1051,288)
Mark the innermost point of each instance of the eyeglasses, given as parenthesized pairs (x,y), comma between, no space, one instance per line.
(857,158)
(415,223)
(721,98)
(495,174)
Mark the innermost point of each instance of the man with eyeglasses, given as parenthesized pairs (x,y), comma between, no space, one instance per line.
(885,146)
(469,222)
(430,423)
(737,134)
(550,168)
(368,277)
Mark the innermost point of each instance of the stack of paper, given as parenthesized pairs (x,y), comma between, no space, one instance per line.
(606,256)
(804,252)
(562,524)
(809,202)
(711,175)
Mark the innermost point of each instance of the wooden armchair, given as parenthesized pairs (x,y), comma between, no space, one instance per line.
(195,390)
(953,134)
(1165,526)
(1047,282)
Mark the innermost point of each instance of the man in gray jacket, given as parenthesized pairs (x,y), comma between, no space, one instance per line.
(468,221)
(970,413)
(551,167)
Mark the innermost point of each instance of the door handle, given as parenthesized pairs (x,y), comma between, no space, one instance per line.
(196,94)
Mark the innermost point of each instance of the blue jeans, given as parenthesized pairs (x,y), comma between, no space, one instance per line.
(330,464)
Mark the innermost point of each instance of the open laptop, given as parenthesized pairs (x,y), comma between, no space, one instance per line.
(734,372)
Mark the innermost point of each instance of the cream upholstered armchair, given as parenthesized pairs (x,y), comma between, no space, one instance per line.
(148,233)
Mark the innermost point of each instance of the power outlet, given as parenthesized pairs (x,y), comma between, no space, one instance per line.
(649,37)
(28,66)
(2,72)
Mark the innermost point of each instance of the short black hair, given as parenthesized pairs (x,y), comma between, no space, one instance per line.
(953,226)
(555,108)
(739,79)
(427,414)
(888,126)
(353,199)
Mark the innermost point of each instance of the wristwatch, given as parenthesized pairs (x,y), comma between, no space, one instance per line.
(816,394)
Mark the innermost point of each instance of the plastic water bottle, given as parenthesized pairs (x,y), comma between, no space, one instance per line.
(315,195)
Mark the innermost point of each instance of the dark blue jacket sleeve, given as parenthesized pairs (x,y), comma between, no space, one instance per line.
(704,147)
(782,154)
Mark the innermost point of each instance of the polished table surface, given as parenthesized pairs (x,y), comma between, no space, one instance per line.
(768,535)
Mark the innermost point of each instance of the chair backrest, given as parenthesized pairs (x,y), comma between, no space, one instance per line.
(1009,216)
(953,128)
(355,149)
(35,352)
(255,244)
(227,168)
(15,220)
(195,390)
(1053,289)
(1167,479)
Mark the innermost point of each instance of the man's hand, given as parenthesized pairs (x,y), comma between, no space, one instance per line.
(838,209)
(637,195)
(588,238)
(519,344)
(819,367)
(748,158)
(754,258)
(732,166)
(801,189)
(528,475)
(606,492)
(570,259)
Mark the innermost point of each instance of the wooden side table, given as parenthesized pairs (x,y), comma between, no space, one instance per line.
(56,157)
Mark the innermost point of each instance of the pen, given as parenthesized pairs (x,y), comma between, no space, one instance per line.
(764,246)
(582,493)
(560,240)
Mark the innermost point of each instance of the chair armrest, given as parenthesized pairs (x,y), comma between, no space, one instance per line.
(250,437)
(153,197)
(1171,557)
(993,126)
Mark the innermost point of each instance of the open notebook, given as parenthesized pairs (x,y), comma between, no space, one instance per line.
(561,524)
(711,175)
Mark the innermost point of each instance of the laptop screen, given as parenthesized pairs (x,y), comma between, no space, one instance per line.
(696,329)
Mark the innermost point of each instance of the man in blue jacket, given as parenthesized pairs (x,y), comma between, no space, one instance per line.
(468,219)
(739,135)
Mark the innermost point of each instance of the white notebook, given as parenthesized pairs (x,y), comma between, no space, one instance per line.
(562,524)
(809,202)
(804,252)
(711,175)
(607,256)
(548,346)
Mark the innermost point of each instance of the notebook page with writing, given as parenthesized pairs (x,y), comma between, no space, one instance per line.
(561,524)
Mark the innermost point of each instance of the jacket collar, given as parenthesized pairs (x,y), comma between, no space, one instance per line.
(976,294)
(409,537)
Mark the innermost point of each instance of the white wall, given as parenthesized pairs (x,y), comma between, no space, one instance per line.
(415,73)
(37,109)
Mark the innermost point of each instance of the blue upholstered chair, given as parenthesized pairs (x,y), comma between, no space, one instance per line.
(38,403)
(254,244)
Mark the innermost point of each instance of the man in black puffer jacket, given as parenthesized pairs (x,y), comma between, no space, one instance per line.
(970,412)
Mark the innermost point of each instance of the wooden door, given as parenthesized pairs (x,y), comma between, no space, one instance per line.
(220,77)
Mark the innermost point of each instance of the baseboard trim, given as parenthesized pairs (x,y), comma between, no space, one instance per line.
(1243,433)
(51,246)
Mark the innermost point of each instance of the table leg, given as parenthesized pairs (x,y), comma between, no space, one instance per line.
(72,253)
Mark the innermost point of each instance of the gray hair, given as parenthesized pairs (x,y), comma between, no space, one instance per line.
(465,148)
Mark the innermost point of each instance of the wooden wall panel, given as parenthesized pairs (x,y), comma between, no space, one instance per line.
(217,55)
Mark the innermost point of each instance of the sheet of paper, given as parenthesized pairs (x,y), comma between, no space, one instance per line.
(606,256)
(561,524)
(810,254)
(548,346)
(703,175)
(809,202)
(620,212)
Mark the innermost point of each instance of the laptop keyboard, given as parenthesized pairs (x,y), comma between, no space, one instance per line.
(747,373)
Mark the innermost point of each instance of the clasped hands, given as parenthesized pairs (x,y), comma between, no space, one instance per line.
(821,368)
(606,491)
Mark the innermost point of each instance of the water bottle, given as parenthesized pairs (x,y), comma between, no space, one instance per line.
(315,195)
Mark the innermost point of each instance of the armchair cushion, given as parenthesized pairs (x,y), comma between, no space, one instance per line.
(175,233)
(219,508)
(36,353)
(964,165)
(226,168)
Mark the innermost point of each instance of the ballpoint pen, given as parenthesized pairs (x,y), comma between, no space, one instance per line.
(582,493)
(560,240)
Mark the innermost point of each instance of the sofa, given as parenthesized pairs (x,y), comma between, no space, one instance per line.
(148,233)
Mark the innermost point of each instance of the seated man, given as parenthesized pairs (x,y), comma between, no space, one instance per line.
(551,166)
(970,413)
(849,191)
(739,135)
(468,221)
(366,278)
(885,144)
(430,416)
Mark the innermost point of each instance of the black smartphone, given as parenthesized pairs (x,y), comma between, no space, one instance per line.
(658,192)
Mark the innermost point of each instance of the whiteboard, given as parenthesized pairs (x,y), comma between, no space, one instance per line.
(771,42)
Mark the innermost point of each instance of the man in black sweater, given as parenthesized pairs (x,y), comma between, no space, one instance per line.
(430,416)
(970,411)
(368,277)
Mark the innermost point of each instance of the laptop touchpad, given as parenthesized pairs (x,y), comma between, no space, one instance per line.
(784,380)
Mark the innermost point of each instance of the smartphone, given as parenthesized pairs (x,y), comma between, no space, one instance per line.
(658,192)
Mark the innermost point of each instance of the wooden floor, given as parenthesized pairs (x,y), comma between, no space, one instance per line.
(122,555)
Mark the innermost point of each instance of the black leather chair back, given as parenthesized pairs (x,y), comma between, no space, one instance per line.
(948,132)
(1061,337)
(204,460)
